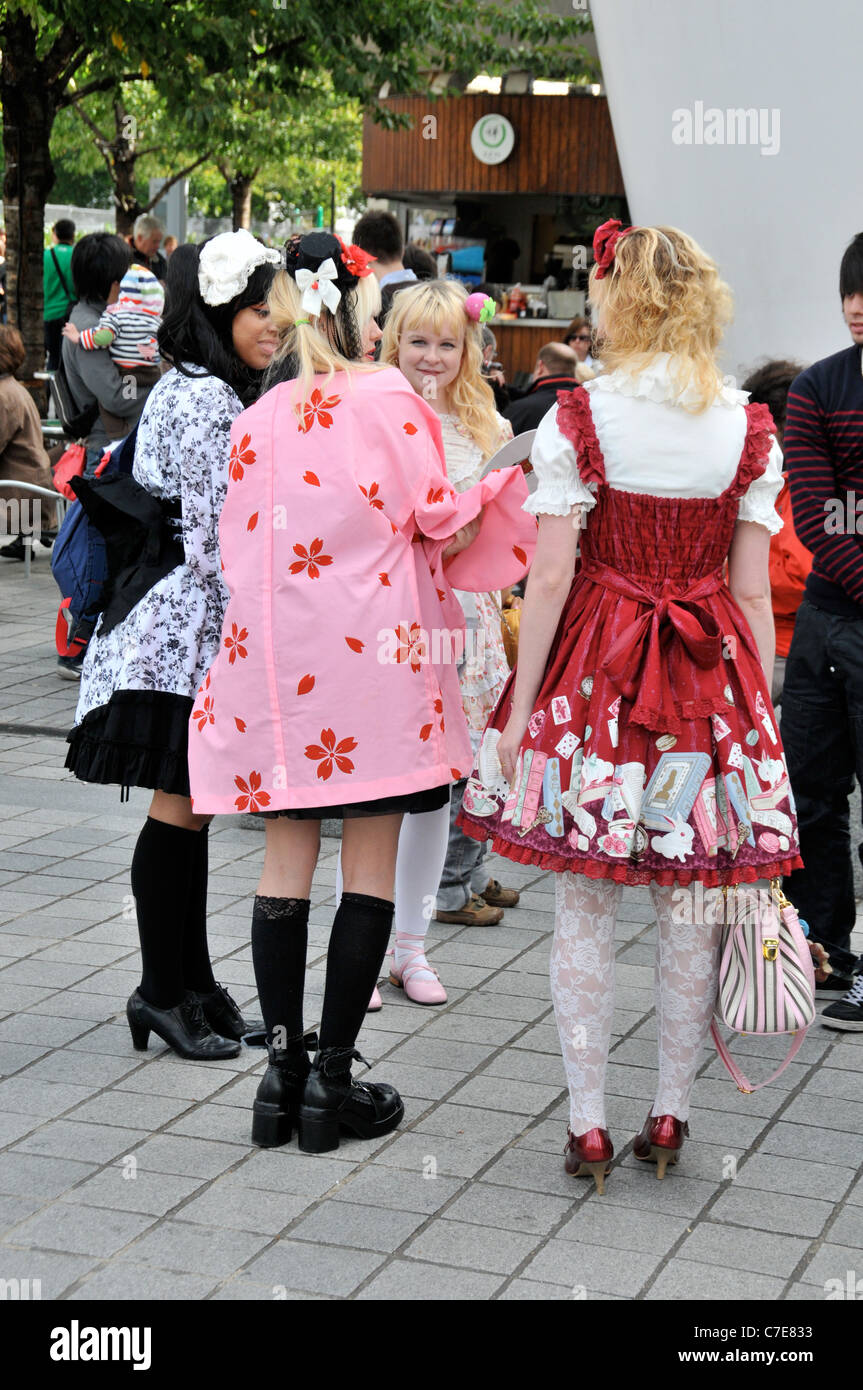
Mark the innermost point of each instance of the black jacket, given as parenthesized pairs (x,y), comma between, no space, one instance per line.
(526,414)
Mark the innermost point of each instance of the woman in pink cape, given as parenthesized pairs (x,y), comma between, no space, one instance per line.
(335,690)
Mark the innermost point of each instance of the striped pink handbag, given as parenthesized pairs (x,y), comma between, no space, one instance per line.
(766,979)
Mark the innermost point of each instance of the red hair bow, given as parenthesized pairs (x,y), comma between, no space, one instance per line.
(356,260)
(605,240)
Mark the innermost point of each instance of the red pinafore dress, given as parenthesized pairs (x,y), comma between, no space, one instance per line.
(653,751)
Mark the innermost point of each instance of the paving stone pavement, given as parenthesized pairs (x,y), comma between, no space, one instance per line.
(130,1176)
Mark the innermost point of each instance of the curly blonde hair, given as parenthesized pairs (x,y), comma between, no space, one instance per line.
(311,343)
(663,293)
(438,305)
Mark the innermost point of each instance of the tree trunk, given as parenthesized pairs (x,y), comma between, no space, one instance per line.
(29,108)
(241,200)
(124,156)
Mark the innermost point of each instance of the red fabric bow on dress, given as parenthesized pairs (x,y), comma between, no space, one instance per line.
(605,239)
(636,663)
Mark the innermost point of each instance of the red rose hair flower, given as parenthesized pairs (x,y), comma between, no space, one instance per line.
(605,240)
(356,260)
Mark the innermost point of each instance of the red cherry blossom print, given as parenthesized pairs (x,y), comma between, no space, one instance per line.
(328,752)
(312,479)
(234,643)
(425,731)
(355,644)
(409,428)
(252,522)
(456,775)
(306,684)
(385,579)
(412,645)
(204,715)
(240,723)
(371,496)
(438,709)
(242,457)
(520,555)
(441,595)
(435,494)
(316,408)
(252,798)
(310,559)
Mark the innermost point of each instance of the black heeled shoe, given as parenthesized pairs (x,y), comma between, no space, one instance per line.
(277,1103)
(184,1028)
(333,1101)
(225,1018)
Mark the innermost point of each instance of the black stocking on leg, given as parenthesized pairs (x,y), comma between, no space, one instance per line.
(163,869)
(358,941)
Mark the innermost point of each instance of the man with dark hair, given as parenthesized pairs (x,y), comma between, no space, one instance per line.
(98,264)
(57,290)
(380,234)
(556,365)
(822,700)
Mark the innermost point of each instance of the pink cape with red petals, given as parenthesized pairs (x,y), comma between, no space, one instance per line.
(336,677)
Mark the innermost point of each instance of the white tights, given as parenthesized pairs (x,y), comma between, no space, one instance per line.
(582,988)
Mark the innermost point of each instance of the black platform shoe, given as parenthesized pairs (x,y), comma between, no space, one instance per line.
(333,1101)
(184,1028)
(225,1018)
(277,1103)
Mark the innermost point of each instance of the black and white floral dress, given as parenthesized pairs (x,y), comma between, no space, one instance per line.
(139,680)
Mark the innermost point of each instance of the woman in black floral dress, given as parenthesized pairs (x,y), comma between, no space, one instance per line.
(141,674)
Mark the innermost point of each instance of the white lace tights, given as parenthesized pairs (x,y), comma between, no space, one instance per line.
(582,988)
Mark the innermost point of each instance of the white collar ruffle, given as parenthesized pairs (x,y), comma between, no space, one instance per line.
(656,383)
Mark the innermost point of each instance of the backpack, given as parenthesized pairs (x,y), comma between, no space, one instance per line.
(77,423)
(79,562)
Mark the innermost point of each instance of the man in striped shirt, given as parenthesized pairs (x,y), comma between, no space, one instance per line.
(822,701)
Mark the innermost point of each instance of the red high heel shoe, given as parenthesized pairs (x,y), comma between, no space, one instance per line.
(660,1141)
(589,1155)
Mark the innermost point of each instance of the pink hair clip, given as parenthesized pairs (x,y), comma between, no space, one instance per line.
(479,307)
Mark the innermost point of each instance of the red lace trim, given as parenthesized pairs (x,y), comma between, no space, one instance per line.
(661,721)
(756,447)
(576,422)
(627,873)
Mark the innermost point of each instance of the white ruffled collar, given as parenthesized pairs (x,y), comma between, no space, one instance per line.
(655,383)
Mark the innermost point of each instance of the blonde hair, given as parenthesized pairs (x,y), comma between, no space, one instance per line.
(664,294)
(313,344)
(439,305)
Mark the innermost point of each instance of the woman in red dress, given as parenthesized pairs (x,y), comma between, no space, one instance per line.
(636,742)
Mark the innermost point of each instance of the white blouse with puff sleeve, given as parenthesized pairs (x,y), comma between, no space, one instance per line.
(652,445)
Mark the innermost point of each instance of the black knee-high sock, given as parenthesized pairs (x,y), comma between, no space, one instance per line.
(197,970)
(280,935)
(163,868)
(358,941)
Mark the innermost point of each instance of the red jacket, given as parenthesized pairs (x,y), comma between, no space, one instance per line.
(790,563)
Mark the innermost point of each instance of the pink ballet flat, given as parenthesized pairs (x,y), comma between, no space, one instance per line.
(375,1002)
(420,991)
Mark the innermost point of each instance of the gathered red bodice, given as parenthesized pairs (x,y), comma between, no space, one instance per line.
(667,555)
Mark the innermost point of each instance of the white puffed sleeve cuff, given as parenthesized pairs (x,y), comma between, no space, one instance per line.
(758,503)
(554,463)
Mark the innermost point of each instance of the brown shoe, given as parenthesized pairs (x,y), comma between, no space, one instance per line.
(475,913)
(496,895)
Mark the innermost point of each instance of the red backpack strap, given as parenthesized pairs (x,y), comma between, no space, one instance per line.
(78,645)
(575,420)
(756,448)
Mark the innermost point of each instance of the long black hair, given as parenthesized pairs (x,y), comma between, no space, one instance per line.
(200,334)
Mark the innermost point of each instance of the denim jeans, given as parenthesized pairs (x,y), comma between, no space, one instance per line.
(822,731)
(463,871)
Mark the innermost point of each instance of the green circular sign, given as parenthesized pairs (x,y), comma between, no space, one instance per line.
(492,138)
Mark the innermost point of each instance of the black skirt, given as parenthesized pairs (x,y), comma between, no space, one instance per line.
(413,803)
(139,739)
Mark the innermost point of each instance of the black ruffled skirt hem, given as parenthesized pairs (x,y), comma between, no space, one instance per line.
(139,739)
